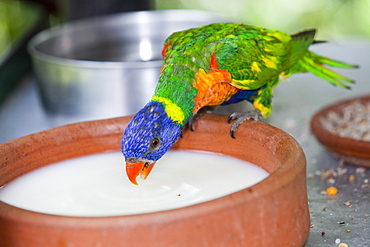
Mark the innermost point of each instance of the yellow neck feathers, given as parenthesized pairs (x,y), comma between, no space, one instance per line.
(173,111)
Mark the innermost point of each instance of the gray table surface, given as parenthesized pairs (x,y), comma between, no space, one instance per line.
(347,217)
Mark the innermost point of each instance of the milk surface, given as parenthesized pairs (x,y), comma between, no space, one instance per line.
(97,185)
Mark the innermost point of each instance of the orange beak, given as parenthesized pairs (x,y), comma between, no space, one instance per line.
(133,170)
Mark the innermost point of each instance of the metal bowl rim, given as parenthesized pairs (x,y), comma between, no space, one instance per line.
(158,15)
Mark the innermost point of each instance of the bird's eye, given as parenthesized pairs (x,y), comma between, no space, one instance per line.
(154,143)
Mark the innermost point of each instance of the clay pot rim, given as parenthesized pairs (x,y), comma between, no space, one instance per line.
(286,172)
(343,147)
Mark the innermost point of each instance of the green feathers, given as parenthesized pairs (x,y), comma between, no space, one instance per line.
(217,64)
(315,64)
(303,60)
(251,58)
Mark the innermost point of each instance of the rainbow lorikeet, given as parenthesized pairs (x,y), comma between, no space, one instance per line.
(217,64)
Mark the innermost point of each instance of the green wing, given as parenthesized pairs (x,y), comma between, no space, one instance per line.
(253,56)
(256,56)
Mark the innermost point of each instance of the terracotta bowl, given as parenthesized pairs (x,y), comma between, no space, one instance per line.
(273,212)
(352,151)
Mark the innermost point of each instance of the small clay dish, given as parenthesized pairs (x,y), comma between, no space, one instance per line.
(273,212)
(344,129)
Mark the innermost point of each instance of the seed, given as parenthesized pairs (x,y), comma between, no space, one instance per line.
(351,121)
(331,191)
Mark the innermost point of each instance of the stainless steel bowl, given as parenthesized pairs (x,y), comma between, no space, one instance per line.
(107,66)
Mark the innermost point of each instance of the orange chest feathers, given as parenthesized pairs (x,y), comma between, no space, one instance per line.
(214,87)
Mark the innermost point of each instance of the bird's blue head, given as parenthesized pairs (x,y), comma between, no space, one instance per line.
(148,136)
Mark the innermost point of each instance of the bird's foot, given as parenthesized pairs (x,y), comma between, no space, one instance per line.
(241,117)
(197,115)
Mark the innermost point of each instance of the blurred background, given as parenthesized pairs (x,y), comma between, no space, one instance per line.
(345,20)
(335,19)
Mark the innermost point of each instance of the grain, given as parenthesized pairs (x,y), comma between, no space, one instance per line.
(351,121)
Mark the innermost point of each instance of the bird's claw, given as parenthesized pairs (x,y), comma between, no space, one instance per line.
(191,124)
(197,115)
(241,117)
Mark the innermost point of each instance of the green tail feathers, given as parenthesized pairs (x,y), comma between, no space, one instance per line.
(306,61)
(315,64)
(300,43)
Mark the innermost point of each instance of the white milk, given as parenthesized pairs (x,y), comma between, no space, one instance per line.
(97,185)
